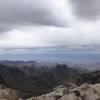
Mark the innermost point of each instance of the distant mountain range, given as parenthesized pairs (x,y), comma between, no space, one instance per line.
(36,80)
(82,66)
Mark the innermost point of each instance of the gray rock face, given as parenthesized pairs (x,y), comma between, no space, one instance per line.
(84,92)
(8,94)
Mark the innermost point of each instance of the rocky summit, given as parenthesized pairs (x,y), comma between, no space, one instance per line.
(84,92)
(8,94)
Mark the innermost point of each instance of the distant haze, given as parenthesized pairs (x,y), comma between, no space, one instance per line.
(52,55)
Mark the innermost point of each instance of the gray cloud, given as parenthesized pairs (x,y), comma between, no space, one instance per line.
(27,12)
(5,27)
(34,23)
(86,9)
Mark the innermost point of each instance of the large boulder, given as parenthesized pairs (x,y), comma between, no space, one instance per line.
(8,94)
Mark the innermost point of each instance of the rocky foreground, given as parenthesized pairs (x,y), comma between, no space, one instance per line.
(84,92)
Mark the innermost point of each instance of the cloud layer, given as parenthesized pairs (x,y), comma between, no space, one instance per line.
(86,9)
(48,23)
(30,12)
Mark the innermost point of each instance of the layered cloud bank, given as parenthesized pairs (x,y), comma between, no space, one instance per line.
(49,23)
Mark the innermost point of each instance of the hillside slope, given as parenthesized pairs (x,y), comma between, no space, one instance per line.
(41,80)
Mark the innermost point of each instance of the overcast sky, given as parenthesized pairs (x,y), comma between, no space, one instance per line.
(49,23)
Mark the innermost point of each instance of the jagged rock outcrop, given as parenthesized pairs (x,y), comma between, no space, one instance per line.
(8,94)
(84,92)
